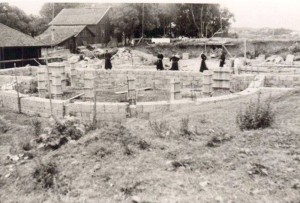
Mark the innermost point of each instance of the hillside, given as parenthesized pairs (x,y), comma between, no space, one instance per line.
(134,163)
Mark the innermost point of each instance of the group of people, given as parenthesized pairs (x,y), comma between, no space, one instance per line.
(176,58)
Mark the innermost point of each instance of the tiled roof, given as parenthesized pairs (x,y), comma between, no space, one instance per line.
(61,33)
(10,37)
(79,16)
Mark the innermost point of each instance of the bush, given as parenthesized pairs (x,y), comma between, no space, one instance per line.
(45,174)
(61,131)
(184,127)
(33,87)
(255,116)
(160,128)
(37,126)
(219,136)
(4,125)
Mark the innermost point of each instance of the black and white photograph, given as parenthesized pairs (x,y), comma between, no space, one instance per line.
(150,101)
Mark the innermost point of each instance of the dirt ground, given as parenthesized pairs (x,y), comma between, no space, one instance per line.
(172,166)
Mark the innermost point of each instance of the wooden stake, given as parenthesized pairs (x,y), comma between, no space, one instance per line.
(17,89)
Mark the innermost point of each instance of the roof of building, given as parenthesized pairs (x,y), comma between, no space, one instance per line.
(10,37)
(60,34)
(80,16)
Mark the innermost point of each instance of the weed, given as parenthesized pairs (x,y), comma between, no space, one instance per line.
(185,128)
(130,189)
(37,126)
(45,174)
(160,128)
(4,125)
(33,87)
(143,144)
(61,131)
(255,116)
(219,136)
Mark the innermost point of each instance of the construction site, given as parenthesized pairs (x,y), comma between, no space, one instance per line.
(72,130)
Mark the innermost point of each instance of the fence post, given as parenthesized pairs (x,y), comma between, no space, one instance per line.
(207,83)
(131,96)
(17,89)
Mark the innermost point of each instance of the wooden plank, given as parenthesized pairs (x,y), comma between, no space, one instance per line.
(141,89)
(75,97)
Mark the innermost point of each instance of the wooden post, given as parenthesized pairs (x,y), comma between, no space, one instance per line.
(94,122)
(131,96)
(245,48)
(17,89)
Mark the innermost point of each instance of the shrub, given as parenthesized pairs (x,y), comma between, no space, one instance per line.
(160,128)
(33,87)
(61,131)
(219,136)
(4,125)
(37,126)
(184,127)
(45,174)
(256,115)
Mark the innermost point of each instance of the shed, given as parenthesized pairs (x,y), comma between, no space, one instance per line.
(69,37)
(17,47)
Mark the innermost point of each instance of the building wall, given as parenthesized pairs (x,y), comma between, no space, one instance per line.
(19,53)
(84,38)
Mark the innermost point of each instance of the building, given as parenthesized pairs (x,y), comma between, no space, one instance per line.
(74,27)
(17,47)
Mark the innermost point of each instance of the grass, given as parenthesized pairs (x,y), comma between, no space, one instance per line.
(241,166)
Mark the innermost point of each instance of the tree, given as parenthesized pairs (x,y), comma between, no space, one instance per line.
(14,18)
(199,20)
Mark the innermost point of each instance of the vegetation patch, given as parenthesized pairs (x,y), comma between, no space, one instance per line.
(256,115)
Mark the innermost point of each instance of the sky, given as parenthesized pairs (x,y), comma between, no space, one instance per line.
(248,13)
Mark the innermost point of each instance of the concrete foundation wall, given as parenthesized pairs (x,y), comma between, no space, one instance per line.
(240,82)
(22,71)
(287,81)
(266,69)
(143,78)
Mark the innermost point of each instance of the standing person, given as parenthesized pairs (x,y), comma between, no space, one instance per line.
(203,66)
(175,59)
(159,63)
(223,57)
(107,57)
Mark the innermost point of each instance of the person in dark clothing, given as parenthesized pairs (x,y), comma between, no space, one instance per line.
(203,66)
(107,57)
(223,57)
(174,59)
(159,63)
